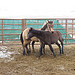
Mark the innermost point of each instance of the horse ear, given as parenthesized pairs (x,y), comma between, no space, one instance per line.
(48,21)
(30,29)
(52,32)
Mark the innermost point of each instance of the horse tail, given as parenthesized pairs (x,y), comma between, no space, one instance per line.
(62,39)
(21,38)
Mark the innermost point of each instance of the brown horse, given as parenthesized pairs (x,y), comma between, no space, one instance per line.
(25,42)
(48,26)
(48,38)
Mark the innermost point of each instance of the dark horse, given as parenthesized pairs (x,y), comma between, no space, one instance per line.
(48,38)
(48,26)
(26,42)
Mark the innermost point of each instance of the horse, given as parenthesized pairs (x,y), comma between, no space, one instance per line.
(48,26)
(25,42)
(48,38)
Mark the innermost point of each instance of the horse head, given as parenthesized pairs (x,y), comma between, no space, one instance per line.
(47,26)
(50,26)
(30,34)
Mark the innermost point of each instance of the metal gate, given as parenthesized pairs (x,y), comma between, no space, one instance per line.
(10,29)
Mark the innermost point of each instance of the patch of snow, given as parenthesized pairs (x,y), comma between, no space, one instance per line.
(0,41)
(6,54)
(62,68)
(3,55)
(3,48)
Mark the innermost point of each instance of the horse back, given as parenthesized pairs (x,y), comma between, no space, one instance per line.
(55,36)
(59,35)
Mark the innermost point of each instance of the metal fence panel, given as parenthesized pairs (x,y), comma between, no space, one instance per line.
(10,29)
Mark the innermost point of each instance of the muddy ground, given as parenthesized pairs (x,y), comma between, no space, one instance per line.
(17,64)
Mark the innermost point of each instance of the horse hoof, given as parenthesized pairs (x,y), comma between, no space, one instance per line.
(29,51)
(41,53)
(23,53)
(62,52)
(54,56)
(27,54)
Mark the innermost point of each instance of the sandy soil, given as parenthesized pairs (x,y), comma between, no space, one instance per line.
(17,64)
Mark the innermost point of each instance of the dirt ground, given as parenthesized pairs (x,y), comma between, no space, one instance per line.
(17,64)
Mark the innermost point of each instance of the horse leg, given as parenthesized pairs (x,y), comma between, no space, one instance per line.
(62,47)
(59,47)
(44,48)
(27,48)
(23,50)
(40,52)
(52,51)
(33,46)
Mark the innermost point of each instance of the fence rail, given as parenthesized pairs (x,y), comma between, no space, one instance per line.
(68,27)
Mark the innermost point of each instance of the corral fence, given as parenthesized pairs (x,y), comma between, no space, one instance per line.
(10,29)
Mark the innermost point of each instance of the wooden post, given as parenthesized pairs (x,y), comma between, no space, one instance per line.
(2,31)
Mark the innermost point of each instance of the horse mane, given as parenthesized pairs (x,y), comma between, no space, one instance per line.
(39,32)
(44,27)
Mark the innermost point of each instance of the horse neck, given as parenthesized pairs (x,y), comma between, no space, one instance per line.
(36,32)
(44,27)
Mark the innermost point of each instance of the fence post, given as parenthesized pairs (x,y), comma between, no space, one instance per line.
(22,24)
(2,31)
(72,29)
(25,24)
(66,33)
